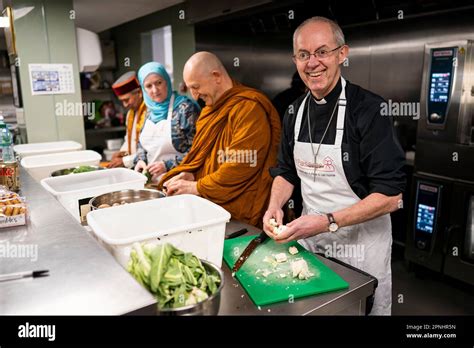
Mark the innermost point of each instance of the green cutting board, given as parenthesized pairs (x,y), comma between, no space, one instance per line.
(274,288)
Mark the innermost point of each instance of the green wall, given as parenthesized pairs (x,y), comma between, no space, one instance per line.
(47,34)
(127,39)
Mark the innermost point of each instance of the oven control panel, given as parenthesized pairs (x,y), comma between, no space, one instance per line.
(427,209)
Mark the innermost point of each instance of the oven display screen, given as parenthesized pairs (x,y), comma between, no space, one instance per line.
(425,218)
(440,83)
(439,91)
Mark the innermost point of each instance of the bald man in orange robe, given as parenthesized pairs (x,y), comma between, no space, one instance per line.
(236,142)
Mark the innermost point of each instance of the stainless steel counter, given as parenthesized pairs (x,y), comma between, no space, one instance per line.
(85,279)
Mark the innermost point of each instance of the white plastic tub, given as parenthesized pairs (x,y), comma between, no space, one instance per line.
(114,144)
(40,167)
(190,223)
(75,191)
(24,150)
(108,154)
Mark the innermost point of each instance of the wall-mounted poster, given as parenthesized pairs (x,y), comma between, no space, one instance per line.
(51,79)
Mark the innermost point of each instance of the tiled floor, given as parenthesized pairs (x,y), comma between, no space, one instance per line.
(426,293)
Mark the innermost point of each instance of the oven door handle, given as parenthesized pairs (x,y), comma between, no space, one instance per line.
(448,234)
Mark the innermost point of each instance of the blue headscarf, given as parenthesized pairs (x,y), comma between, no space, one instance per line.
(158,111)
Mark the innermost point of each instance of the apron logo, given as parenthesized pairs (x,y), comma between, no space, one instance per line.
(326,166)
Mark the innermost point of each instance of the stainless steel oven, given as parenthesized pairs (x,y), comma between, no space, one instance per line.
(440,232)
(459,251)
(429,218)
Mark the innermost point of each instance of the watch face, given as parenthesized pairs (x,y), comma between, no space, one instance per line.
(333,227)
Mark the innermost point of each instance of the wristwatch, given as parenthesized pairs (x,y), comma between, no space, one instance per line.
(333,227)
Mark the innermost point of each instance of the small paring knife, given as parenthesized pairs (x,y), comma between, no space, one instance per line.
(248,251)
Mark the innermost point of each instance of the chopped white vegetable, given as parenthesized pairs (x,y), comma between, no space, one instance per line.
(276,229)
(272,222)
(283,275)
(268,259)
(300,269)
(266,273)
(279,229)
(293,250)
(271,261)
(281,257)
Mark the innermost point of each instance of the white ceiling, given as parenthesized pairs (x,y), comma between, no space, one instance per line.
(100,15)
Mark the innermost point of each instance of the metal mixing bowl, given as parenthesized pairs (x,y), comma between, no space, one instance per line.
(209,306)
(68,171)
(128,196)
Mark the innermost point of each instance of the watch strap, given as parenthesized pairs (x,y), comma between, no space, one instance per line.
(331,218)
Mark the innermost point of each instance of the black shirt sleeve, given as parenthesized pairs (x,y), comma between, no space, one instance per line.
(285,162)
(381,156)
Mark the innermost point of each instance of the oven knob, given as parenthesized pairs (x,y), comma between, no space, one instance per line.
(421,244)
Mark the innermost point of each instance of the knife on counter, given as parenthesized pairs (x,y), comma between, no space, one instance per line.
(248,251)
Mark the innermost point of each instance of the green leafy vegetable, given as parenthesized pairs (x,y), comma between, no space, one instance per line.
(83,169)
(148,176)
(176,278)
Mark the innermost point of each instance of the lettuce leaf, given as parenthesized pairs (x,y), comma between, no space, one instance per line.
(176,278)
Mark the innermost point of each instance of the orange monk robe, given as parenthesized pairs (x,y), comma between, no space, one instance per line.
(236,143)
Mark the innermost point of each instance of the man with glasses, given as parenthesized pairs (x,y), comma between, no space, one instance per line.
(127,89)
(345,155)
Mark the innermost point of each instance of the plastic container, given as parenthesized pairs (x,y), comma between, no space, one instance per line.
(40,167)
(190,223)
(114,144)
(35,149)
(75,191)
(108,154)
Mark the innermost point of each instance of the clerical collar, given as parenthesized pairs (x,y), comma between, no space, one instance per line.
(334,94)
(320,101)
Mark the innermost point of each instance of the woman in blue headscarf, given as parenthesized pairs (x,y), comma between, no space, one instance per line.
(169,128)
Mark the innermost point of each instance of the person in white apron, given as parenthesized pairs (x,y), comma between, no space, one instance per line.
(127,89)
(332,192)
(169,128)
(335,221)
